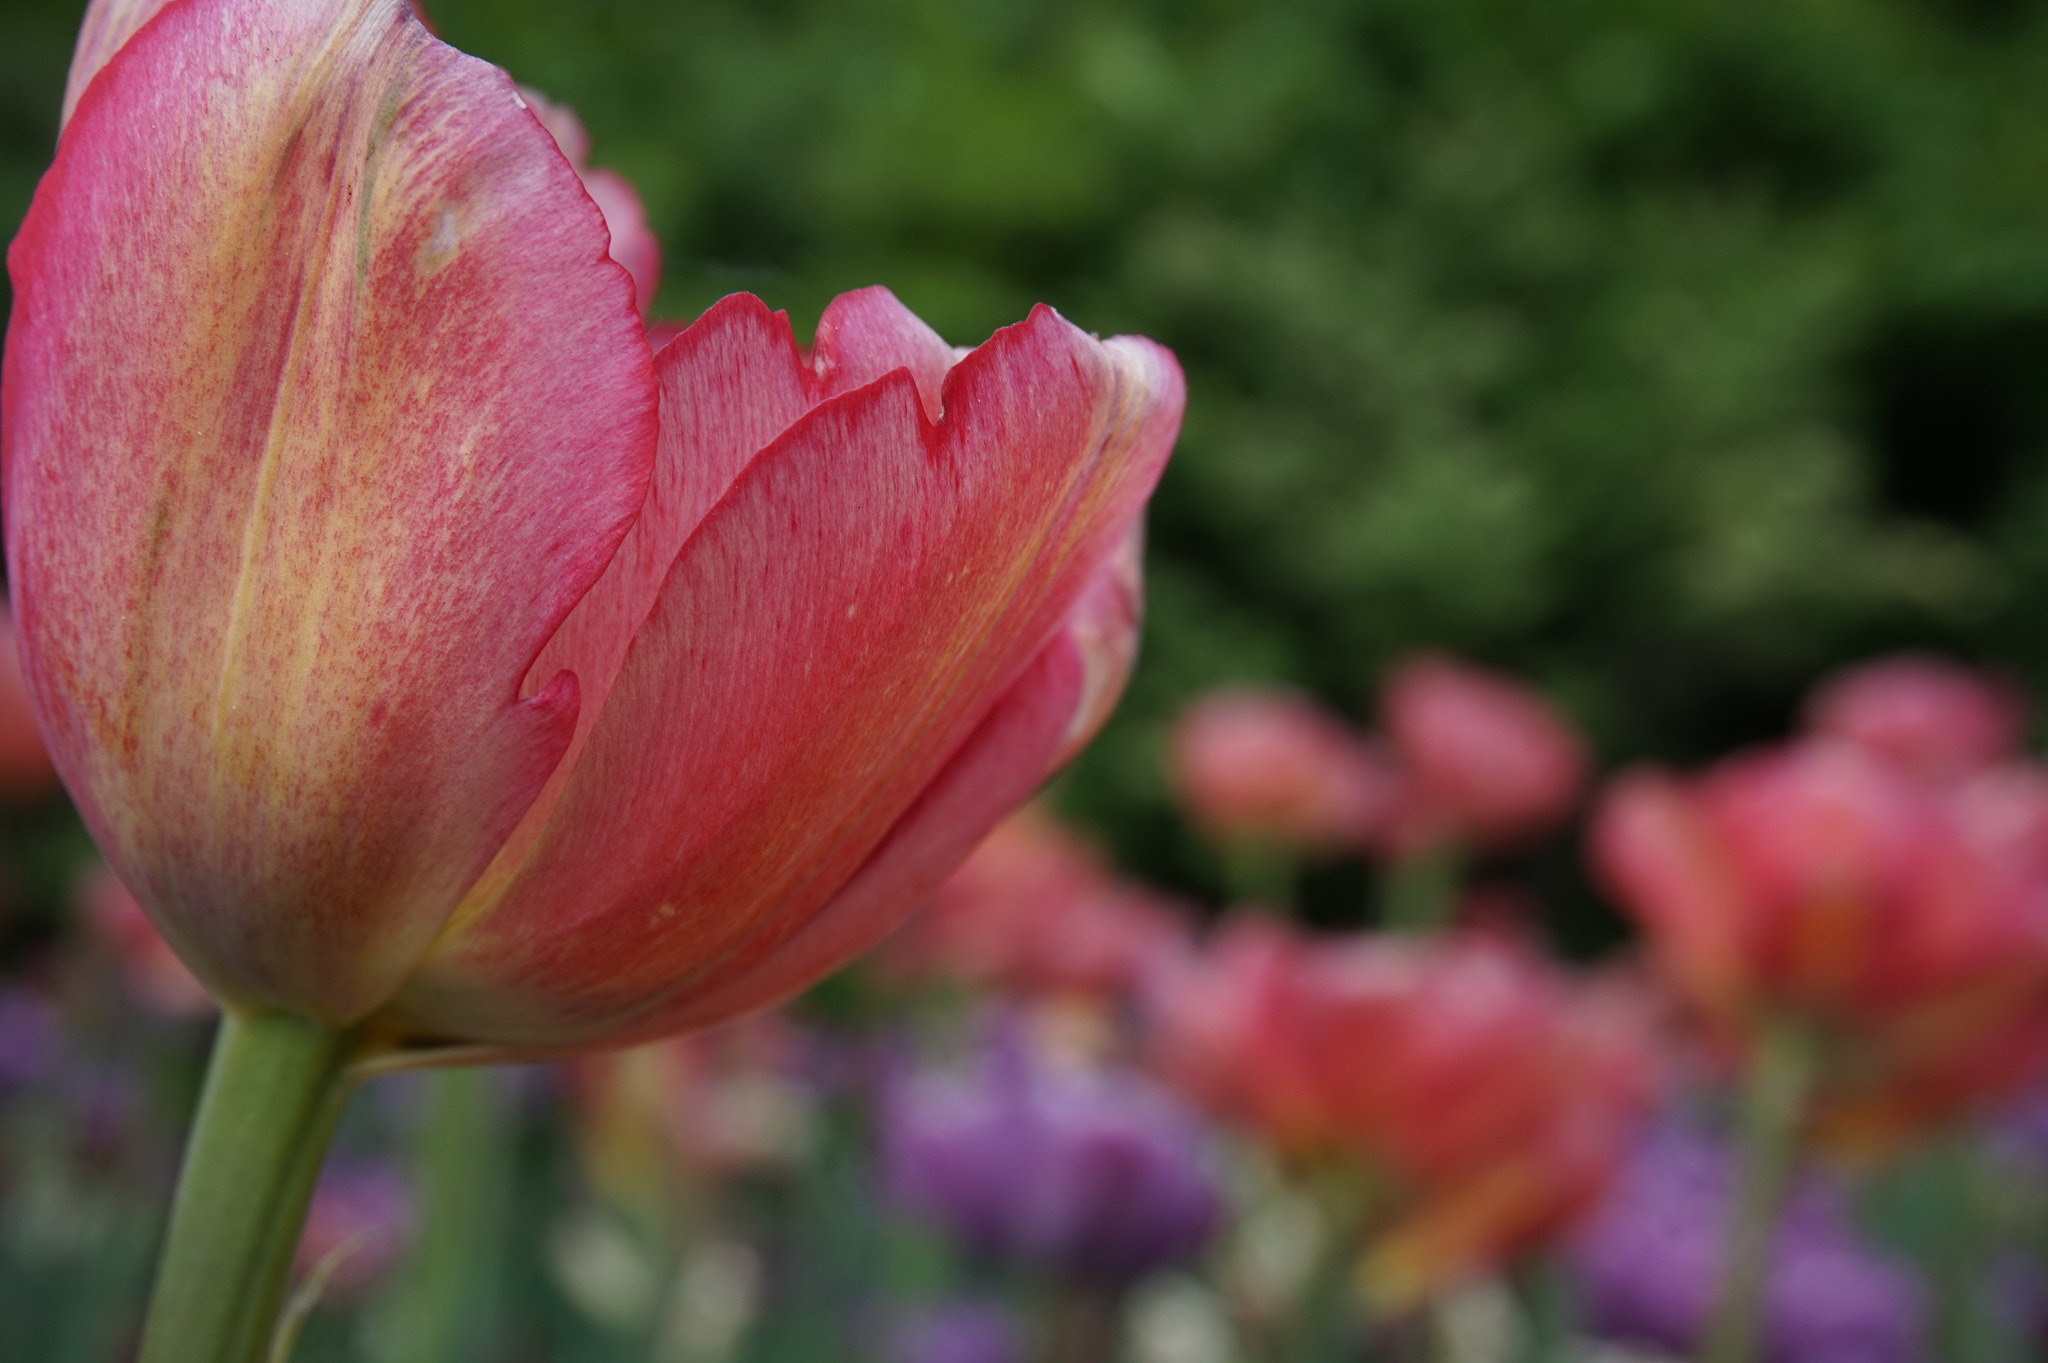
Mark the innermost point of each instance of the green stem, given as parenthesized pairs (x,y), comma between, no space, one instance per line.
(1774,1099)
(441,1307)
(1418,891)
(273,1093)
(1261,874)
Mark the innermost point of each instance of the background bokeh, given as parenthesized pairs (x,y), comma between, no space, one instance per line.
(1663,354)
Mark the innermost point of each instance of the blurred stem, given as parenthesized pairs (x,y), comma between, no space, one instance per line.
(1418,890)
(1260,873)
(1549,1308)
(462,1169)
(1774,1098)
(1963,1328)
(274,1091)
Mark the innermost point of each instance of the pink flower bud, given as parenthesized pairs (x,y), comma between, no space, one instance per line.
(1484,760)
(1491,1093)
(1272,766)
(1907,922)
(1928,715)
(1034,910)
(420,647)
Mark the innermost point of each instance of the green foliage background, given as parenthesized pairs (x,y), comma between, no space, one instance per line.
(1667,354)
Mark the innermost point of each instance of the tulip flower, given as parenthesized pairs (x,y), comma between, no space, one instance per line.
(1272,766)
(1485,1095)
(442,669)
(1875,941)
(1925,714)
(1485,762)
(1035,911)
(1905,923)
(1221,1025)
(1491,1095)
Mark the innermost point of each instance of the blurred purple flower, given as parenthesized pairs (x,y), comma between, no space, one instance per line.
(29,1037)
(1647,1264)
(104,1105)
(1098,1175)
(958,1332)
(2018,1131)
(360,1222)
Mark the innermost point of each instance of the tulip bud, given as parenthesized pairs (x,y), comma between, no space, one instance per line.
(1484,761)
(1818,884)
(1927,715)
(428,656)
(1271,766)
(1035,911)
(1220,1025)
(1493,1095)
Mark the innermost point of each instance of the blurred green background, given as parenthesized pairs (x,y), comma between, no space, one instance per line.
(1665,354)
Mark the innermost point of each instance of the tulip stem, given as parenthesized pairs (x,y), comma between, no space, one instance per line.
(1418,890)
(1774,1099)
(274,1091)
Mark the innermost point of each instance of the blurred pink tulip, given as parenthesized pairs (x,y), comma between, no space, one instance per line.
(1494,1095)
(420,648)
(1220,1025)
(1485,762)
(26,772)
(1928,715)
(151,970)
(1271,766)
(1034,910)
(1907,921)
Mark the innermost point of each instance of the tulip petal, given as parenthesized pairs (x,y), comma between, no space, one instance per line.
(323,407)
(831,635)
(1052,711)
(1653,844)
(105,30)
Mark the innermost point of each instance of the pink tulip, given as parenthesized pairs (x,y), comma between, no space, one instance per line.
(1033,910)
(1487,1095)
(1924,713)
(1494,1094)
(1906,921)
(1272,766)
(1485,761)
(625,219)
(1221,1025)
(423,651)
